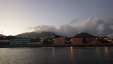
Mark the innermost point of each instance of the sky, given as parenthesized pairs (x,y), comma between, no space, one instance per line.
(19,16)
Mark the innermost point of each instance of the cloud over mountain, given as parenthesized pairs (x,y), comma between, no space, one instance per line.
(94,26)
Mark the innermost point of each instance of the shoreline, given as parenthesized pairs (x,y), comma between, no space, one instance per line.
(36,46)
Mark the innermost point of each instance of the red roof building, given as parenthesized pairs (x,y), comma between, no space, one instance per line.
(76,41)
(59,41)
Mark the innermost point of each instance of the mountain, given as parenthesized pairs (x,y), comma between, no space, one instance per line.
(49,34)
(35,34)
(86,35)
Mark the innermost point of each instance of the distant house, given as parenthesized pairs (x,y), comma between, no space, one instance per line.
(59,41)
(19,41)
(76,41)
(93,41)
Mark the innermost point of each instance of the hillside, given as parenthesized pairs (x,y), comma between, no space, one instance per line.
(86,35)
(35,34)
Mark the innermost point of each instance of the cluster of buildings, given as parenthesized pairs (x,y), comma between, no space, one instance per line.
(74,41)
(81,40)
(12,40)
(54,41)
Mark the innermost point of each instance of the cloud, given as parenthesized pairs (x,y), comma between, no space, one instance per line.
(97,26)
(110,21)
(68,30)
(94,26)
(73,21)
(44,28)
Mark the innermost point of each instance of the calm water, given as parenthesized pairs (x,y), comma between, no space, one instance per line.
(55,55)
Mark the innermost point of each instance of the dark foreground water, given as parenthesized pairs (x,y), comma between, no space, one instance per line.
(57,55)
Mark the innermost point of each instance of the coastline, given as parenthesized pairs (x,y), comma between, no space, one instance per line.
(29,46)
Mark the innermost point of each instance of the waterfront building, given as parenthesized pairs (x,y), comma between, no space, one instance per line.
(59,41)
(19,41)
(76,41)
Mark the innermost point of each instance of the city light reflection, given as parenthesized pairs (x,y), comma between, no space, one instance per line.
(106,51)
(72,49)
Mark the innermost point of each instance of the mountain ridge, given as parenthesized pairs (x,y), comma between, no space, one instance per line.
(35,34)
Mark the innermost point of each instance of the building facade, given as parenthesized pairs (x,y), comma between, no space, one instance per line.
(19,41)
(76,41)
(59,41)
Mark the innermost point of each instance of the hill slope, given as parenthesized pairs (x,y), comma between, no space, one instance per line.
(35,34)
(86,35)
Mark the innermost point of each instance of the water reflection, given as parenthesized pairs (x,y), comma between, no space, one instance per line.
(72,54)
(97,50)
(106,51)
(103,55)
(56,55)
(3,51)
(71,50)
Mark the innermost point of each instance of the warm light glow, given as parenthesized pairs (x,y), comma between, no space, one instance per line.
(71,50)
(106,51)
(72,54)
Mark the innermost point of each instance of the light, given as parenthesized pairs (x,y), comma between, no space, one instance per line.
(105,38)
(96,38)
(106,51)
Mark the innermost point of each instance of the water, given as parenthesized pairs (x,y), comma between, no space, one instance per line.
(55,55)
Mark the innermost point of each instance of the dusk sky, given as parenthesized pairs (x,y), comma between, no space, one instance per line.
(17,16)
